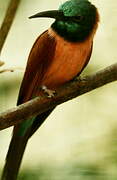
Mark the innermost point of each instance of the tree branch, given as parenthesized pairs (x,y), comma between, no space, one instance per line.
(10,70)
(70,90)
(7,22)
(1,63)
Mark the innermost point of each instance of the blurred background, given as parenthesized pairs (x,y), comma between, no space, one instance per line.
(78,141)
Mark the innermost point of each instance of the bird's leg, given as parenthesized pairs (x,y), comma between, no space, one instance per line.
(49,92)
(77,78)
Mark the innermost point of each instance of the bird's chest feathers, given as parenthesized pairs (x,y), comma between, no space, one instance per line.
(69,59)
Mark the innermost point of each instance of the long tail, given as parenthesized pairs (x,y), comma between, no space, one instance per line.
(17,148)
(14,157)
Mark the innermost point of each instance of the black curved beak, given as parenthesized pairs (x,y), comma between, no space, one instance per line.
(56,14)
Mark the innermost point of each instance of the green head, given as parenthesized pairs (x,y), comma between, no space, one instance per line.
(74,20)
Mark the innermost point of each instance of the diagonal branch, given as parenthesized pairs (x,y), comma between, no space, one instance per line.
(7,22)
(70,90)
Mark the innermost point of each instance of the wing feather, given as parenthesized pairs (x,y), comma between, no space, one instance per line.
(40,58)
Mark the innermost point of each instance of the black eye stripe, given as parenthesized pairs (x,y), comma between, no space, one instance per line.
(73,18)
(77,18)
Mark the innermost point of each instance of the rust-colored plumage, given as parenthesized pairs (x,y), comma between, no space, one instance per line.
(53,61)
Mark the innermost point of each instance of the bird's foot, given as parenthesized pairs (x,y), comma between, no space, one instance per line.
(49,92)
(77,78)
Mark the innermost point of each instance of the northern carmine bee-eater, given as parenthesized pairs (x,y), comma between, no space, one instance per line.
(58,55)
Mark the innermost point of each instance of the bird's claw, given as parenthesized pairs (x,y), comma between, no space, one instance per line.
(77,78)
(49,92)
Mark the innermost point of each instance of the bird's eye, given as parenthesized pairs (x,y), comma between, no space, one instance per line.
(77,18)
(73,18)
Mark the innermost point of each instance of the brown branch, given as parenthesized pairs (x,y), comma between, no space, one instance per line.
(1,63)
(70,90)
(10,70)
(7,22)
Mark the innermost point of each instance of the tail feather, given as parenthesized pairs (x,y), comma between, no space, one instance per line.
(17,148)
(14,157)
(39,121)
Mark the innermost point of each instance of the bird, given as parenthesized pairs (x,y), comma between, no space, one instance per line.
(58,55)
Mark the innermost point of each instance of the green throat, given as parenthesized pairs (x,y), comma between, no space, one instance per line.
(78,22)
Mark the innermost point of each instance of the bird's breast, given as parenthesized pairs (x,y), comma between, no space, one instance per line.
(69,60)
